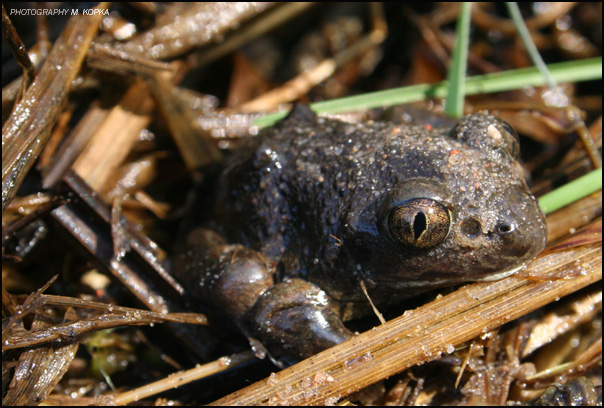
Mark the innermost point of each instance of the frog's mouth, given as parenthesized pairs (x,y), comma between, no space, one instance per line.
(448,281)
(504,274)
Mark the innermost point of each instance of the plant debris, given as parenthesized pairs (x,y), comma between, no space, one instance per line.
(114,116)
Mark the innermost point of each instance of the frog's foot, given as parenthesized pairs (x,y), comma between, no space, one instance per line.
(228,277)
(293,318)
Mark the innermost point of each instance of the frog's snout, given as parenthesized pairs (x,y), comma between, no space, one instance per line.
(516,238)
(517,241)
(521,230)
(505,238)
(520,224)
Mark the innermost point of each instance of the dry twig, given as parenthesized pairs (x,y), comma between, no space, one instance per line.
(26,132)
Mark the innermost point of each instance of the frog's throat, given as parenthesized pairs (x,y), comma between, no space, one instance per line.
(503,274)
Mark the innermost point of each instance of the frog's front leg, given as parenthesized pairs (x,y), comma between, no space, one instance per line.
(229,278)
(292,318)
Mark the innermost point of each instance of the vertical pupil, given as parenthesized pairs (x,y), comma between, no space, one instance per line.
(419,224)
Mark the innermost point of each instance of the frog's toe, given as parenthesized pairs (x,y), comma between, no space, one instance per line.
(293,318)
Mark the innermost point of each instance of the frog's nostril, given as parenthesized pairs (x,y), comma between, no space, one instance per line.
(505,228)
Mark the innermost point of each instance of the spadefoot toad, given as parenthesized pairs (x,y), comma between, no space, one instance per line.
(312,207)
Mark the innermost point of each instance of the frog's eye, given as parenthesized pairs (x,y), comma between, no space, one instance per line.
(512,140)
(419,223)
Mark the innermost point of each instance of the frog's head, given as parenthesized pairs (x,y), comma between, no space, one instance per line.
(466,214)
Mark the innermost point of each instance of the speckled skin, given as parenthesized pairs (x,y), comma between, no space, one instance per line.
(312,196)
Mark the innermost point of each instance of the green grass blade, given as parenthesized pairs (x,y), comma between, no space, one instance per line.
(571,192)
(527,40)
(573,71)
(457,71)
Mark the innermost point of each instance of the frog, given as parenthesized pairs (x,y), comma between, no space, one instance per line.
(315,218)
